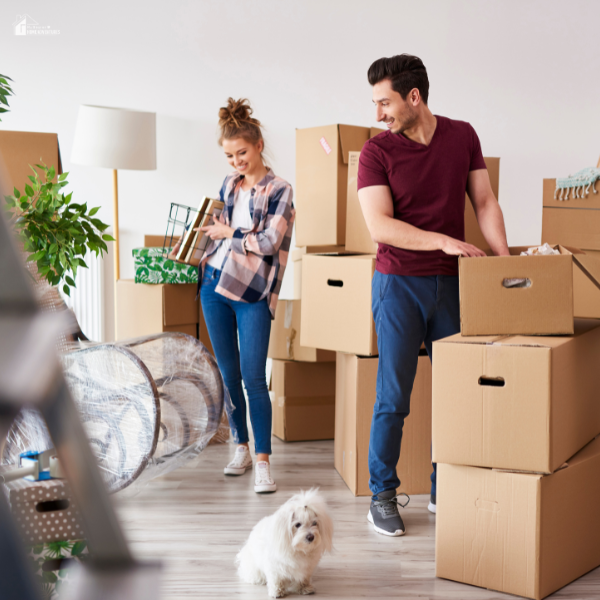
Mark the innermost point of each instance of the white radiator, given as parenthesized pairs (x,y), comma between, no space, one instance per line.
(87,298)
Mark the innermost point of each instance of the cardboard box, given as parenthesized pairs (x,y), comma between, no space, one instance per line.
(521,403)
(322,155)
(158,241)
(303,400)
(44,511)
(144,309)
(358,238)
(519,533)
(19,149)
(296,256)
(544,307)
(355,396)
(574,222)
(285,336)
(473,233)
(336,304)
(586,296)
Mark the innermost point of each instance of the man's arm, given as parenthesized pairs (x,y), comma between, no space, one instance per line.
(488,211)
(378,209)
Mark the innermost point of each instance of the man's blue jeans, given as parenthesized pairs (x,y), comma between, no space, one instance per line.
(225,320)
(407,311)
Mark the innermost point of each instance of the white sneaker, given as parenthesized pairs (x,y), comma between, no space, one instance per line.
(241,461)
(263,482)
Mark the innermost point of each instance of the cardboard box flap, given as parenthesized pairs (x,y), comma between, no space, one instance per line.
(375,131)
(470,339)
(589,266)
(581,327)
(588,452)
(352,139)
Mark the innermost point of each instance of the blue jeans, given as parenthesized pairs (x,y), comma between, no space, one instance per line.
(225,320)
(407,311)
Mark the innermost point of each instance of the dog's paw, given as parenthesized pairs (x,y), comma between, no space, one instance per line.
(307,590)
(276,592)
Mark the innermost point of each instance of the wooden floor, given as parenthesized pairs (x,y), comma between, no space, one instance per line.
(196,519)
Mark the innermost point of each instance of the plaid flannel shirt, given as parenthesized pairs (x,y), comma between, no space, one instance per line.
(257,258)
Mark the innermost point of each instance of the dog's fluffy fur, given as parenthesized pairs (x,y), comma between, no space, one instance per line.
(284,549)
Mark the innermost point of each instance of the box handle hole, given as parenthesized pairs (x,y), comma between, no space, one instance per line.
(52,505)
(516,282)
(492,381)
(335,282)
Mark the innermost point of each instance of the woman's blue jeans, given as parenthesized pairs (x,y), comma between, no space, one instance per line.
(407,311)
(225,320)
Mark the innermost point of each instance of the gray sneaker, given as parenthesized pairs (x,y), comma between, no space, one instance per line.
(384,514)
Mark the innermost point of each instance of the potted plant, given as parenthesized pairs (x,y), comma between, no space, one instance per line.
(56,233)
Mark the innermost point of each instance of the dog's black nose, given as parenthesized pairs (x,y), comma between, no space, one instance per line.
(310,537)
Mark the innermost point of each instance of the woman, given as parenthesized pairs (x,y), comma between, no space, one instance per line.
(240,275)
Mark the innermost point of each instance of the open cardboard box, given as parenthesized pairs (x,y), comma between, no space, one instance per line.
(544,306)
(519,533)
(516,402)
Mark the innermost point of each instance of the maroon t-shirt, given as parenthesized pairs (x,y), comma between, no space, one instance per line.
(428,185)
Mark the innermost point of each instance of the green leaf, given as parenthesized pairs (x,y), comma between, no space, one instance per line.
(63,176)
(94,211)
(36,256)
(17,193)
(28,190)
(66,290)
(108,238)
(49,577)
(79,547)
(81,263)
(69,280)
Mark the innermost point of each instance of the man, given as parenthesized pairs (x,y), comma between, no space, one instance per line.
(412,180)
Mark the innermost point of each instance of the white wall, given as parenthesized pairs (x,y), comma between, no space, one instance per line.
(526,74)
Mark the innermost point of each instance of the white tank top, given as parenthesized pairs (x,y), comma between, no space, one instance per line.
(240,218)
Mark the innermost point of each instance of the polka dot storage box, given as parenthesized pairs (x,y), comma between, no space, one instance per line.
(44,511)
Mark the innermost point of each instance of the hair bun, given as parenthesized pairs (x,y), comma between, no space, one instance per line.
(235,113)
(235,120)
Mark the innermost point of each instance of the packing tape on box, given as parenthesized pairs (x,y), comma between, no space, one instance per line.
(289,342)
(281,401)
(289,313)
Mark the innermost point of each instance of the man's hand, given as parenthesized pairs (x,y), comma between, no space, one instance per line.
(218,231)
(457,248)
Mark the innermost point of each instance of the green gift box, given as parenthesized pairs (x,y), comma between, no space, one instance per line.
(152,266)
(52,562)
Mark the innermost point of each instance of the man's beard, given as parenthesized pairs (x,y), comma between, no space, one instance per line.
(408,122)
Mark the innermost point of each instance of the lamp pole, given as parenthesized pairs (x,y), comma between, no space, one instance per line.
(116,227)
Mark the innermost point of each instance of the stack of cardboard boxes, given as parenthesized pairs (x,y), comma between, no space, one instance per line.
(515,424)
(333,269)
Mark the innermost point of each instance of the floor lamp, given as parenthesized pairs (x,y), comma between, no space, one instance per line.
(115,138)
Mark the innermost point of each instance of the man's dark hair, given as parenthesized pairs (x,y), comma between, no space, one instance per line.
(405,73)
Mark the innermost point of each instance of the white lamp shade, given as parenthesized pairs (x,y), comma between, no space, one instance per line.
(116,138)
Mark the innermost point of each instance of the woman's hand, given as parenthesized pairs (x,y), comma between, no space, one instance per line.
(218,231)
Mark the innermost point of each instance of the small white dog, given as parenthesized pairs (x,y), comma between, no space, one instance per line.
(284,548)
